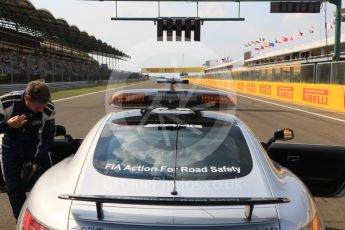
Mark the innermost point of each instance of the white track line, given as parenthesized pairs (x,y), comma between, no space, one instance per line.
(284,106)
(240,95)
(87,94)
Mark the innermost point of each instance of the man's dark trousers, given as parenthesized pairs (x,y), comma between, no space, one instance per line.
(13,157)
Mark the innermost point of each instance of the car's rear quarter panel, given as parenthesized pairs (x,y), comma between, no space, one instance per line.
(283,183)
(43,201)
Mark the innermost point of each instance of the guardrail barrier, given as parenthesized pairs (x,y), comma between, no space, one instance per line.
(331,97)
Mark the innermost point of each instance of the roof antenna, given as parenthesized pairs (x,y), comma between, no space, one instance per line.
(174,191)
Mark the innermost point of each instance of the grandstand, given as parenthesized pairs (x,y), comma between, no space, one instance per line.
(35,45)
(306,63)
(224,66)
(316,51)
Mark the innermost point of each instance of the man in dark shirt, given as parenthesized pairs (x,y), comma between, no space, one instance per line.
(28,123)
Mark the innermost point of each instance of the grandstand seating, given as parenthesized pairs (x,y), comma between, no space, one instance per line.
(20,68)
(36,45)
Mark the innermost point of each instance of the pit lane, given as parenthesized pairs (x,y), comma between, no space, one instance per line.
(263,116)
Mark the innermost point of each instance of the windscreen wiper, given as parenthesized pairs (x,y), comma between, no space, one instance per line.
(249,202)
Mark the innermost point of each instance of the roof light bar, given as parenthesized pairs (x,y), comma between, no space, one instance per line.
(151,99)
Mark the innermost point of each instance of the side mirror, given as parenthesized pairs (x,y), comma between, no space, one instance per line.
(60,130)
(283,134)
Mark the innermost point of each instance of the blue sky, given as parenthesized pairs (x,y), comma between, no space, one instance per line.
(218,39)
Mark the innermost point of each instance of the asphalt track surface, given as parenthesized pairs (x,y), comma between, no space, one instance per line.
(263,116)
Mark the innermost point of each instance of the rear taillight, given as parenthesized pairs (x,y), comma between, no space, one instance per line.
(315,224)
(30,223)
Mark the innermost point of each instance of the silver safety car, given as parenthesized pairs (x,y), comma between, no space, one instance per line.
(173,160)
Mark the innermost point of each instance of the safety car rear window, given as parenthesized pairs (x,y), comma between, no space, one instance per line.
(201,150)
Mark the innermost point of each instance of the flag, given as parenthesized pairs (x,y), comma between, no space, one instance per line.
(300,33)
(329,26)
(285,39)
(311,30)
(271,44)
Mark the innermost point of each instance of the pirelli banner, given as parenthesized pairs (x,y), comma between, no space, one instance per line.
(318,95)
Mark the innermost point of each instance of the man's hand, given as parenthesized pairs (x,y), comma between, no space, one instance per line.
(17,121)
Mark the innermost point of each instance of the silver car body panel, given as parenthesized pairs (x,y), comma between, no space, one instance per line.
(163,215)
(43,201)
(73,176)
(284,183)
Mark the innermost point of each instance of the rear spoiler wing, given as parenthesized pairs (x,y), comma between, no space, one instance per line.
(175,201)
